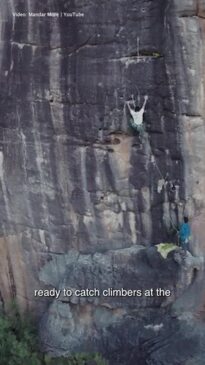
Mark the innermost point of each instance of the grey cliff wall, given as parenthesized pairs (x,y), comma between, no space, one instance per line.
(190,50)
(73,174)
(80,193)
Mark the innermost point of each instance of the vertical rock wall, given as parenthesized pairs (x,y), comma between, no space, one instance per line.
(77,181)
(74,175)
(189,51)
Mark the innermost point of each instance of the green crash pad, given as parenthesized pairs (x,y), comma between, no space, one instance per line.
(165,248)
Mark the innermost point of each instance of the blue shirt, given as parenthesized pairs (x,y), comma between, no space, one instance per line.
(185,231)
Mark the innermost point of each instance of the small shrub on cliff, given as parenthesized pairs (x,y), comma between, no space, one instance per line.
(77,359)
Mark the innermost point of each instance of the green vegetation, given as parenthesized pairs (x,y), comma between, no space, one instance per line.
(165,248)
(146,53)
(156,54)
(19,346)
(77,359)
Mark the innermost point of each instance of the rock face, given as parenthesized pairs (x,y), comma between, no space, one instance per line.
(73,174)
(77,181)
(190,25)
(126,329)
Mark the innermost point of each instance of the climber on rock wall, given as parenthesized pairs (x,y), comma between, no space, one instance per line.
(185,234)
(137,115)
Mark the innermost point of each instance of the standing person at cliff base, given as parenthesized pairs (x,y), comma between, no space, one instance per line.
(185,234)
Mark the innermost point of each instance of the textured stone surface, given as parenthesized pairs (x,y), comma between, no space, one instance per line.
(73,174)
(191,107)
(104,323)
(76,183)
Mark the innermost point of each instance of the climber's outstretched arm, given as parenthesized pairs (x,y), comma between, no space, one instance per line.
(145,101)
(130,109)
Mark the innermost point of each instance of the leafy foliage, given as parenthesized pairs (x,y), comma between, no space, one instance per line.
(77,359)
(19,345)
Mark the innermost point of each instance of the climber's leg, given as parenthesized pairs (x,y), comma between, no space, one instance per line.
(183,245)
(141,131)
(187,245)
